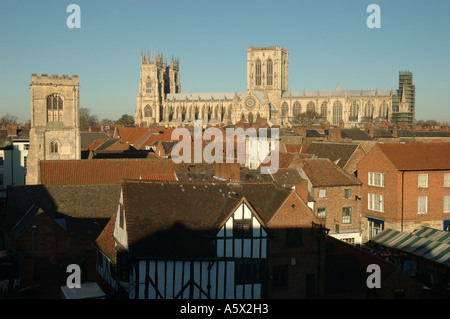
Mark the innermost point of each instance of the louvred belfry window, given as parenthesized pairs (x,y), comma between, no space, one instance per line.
(54,108)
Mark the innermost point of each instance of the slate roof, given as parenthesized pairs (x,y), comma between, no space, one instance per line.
(338,153)
(89,137)
(176,218)
(356,134)
(78,205)
(417,156)
(323,173)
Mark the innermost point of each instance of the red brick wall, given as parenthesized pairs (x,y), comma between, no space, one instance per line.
(394,211)
(334,202)
(300,261)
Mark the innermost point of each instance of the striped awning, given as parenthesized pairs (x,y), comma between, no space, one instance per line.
(425,242)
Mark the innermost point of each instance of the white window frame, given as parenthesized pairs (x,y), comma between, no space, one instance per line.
(422,183)
(377,182)
(373,199)
(323,190)
(422,207)
(447,180)
(447,204)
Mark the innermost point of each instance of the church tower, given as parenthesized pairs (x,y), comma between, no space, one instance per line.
(55,122)
(267,70)
(157,79)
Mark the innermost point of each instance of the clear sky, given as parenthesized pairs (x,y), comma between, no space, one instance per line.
(329,42)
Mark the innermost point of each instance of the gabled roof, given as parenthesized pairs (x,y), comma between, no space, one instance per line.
(89,137)
(417,156)
(189,211)
(321,172)
(101,171)
(338,153)
(77,205)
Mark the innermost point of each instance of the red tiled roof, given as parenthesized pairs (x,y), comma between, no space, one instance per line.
(105,241)
(293,148)
(324,173)
(417,156)
(132,134)
(159,135)
(94,145)
(103,171)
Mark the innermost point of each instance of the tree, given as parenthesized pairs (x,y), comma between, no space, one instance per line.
(126,120)
(86,119)
(308,118)
(8,119)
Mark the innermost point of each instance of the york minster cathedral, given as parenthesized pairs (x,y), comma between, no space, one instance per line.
(267,96)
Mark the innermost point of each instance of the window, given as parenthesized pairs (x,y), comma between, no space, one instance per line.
(376,202)
(422,181)
(248,272)
(322,193)
(337,113)
(422,204)
(347,193)
(1,179)
(24,161)
(280,277)
(446,204)
(148,111)
(311,108)
(54,108)
(54,147)
(346,215)
(297,109)
(269,72)
(323,109)
(321,212)
(376,179)
(242,228)
(258,72)
(27,147)
(1,160)
(446,180)
(148,86)
(294,237)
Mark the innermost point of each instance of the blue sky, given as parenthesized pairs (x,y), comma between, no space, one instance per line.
(328,42)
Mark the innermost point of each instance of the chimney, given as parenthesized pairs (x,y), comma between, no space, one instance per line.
(228,171)
(12,130)
(334,134)
(395,131)
(301,189)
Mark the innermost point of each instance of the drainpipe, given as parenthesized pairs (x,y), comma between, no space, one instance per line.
(402,198)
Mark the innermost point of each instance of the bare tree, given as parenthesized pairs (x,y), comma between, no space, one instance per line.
(308,118)
(8,119)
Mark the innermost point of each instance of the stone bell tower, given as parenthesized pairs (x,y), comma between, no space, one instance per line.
(55,122)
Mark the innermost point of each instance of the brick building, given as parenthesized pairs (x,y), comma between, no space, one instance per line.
(405,186)
(194,231)
(334,197)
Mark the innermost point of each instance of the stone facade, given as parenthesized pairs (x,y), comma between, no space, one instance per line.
(54,132)
(267,96)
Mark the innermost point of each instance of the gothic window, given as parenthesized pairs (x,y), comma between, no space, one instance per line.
(337,113)
(353,111)
(284,111)
(229,113)
(54,147)
(383,108)
(250,117)
(216,113)
(258,72)
(148,86)
(54,108)
(311,108)
(297,109)
(368,110)
(242,116)
(183,114)
(323,109)
(269,72)
(148,111)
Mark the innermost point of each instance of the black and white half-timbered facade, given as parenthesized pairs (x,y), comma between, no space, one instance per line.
(193,240)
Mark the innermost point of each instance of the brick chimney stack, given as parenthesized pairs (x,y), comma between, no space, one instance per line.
(228,171)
